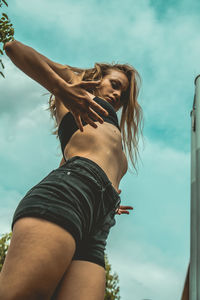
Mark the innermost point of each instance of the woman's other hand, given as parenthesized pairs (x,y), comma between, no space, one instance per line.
(80,102)
(123,209)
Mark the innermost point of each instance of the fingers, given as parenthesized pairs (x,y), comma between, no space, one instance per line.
(78,122)
(91,117)
(123,210)
(86,119)
(90,84)
(120,212)
(90,121)
(97,107)
(95,116)
(126,207)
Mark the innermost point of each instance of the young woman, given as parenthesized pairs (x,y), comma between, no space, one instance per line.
(61,226)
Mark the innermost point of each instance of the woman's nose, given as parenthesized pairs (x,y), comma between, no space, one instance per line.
(117,94)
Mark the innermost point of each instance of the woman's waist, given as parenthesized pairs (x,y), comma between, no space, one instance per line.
(112,164)
(102,145)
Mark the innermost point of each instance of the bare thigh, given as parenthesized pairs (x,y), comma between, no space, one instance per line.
(82,281)
(39,254)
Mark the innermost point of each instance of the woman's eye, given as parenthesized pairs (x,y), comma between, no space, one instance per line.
(114,84)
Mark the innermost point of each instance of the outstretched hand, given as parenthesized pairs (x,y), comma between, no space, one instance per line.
(81,104)
(123,209)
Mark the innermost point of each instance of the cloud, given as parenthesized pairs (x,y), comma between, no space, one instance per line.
(28,149)
(8,200)
(160,193)
(144,277)
(19,93)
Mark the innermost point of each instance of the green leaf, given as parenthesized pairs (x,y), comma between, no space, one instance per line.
(4,1)
(112,289)
(2,64)
(5,16)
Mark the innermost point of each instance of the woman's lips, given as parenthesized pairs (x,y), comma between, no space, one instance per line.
(110,99)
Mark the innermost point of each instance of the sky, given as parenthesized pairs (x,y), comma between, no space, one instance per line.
(148,249)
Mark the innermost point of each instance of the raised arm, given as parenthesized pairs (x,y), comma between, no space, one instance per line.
(49,74)
(35,65)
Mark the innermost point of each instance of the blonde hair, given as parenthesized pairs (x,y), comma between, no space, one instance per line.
(131,123)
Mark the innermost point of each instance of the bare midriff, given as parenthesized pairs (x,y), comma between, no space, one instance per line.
(103,145)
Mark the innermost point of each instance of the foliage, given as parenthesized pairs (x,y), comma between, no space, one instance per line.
(112,281)
(6,32)
(4,244)
(112,288)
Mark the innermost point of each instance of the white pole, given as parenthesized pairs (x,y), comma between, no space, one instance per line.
(194,278)
(193,212)
(197,167)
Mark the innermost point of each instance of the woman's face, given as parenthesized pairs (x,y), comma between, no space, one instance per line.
(112,86)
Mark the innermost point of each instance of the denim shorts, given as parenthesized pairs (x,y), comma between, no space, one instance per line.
(79,197)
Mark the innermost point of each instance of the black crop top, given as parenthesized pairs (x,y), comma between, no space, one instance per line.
(68,124)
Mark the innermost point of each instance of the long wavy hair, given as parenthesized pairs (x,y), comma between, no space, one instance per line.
(131,123)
